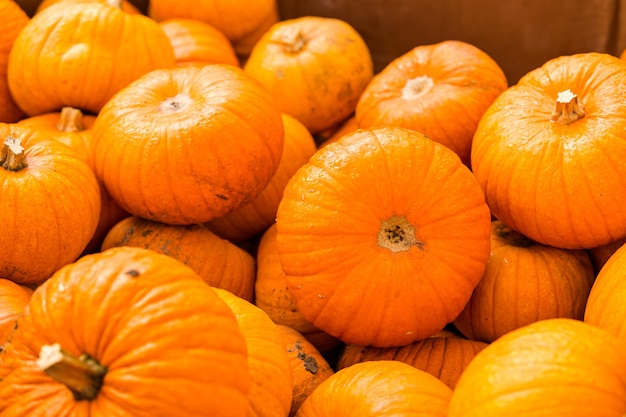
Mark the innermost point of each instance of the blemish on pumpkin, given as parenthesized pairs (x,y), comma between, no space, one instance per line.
(321,296)
(132,273)
(398,235)
(308,361)
(146,232)
(222,197)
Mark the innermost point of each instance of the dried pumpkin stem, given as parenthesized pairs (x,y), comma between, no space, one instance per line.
(115,3)
(70,120)
(511,236)
(83,375)
(292,39)
(12,155)
(568,109)
(398,235)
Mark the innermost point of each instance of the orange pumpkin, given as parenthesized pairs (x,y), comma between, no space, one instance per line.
(525,282)
(382,236)
(220,263)
(444,357)
(197,42)
(126,6)
(441,90)
(13,299)
(78,45)
(271,391)
(12,19)
(315,67)
(548,153)
(49,208)
(255,217)
(556,367)
(188,144)
(308,367)
(156,328)
(378,389)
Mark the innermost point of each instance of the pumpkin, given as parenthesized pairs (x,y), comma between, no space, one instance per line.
(556,367)
(308,367)
(188,144)
(13,299)
(444,357)
(605,305)
(273,297)
(197,42)
(126,6)
(561,181)
(600,254)
(160,343)
(441,90)
(220,263)
(315,67)
(271,391)
(382,236)
(378,389)
(524,282)
(255,217)
(49,208)
(13,20)
(64,53)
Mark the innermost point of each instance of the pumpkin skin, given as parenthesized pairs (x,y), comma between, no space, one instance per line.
(315,67)
(157,321)
(375,229)
(49,208)
(70,37)
(378,389)
(557,367)
(13,299)
(220,263)
(270,369)
(441,90)
(198,43)
(216,130)
(561,183)
(255,217)
(524,282)
(442,357)
(13,20)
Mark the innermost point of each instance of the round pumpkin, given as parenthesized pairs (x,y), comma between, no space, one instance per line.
(441,90)
(556,367)
(315,67)
(219,262)
(49,208)
(13,300)
(548,153)
(13,19)
(80,54)
(378,389)
(382,236)
(146,325)
(188,144)
(524,282)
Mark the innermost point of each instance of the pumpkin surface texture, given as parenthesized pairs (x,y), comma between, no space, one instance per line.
(13,299)
(160,344)
(382,237)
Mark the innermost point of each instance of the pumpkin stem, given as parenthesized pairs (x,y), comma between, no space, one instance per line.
(398,235)
(12,155)
(291,38)
(511,236)
(568,110)
(83,375)
(416,87)
(115,3)
(70,120)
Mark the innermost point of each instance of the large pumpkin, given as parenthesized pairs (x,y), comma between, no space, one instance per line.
(549,152)
(188,144)
(126,332)
(12,19)
(80,54)
(382,236)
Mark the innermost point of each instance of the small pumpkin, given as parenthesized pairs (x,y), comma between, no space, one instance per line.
(561,181)
(378,389)
(524,282)
(12,19)
(441,90)
(558,367)
(188,144)
(49,208)
(315,67)
(85,43)
(155,322)
(219,262)
(13,300)
(382,237)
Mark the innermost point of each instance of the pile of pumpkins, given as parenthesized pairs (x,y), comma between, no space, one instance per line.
(209,211)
